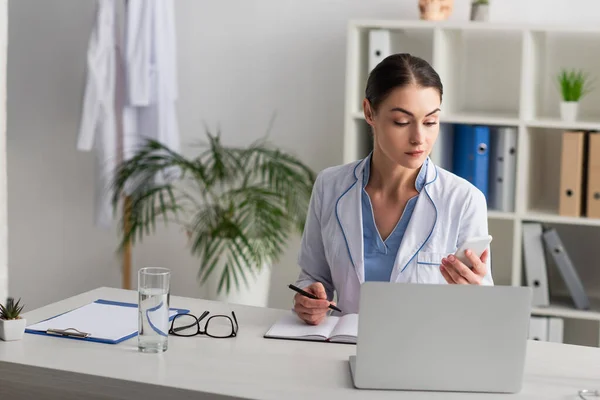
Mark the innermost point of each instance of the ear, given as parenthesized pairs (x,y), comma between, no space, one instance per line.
(368,111)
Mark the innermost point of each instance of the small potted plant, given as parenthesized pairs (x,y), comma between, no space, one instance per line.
(574,85)
(480,10)
(12,325)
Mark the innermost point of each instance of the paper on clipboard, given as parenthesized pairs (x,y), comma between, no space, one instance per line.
(102,320)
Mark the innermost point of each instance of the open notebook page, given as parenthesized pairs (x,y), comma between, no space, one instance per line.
(102,321)
(346,329)
(291,326)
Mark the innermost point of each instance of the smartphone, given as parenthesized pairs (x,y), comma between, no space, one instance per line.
(476,244)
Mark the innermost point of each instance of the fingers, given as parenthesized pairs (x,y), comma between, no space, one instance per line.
(312,319)
(479,264)
(317,289)
(312,311)
(310,306)
(446,275)
(459,272)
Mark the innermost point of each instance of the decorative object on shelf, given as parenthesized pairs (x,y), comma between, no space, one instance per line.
(12,325)
(238,206)
(574,85)
(480,10)
(435,10)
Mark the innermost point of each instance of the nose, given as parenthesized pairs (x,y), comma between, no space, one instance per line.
(417,135)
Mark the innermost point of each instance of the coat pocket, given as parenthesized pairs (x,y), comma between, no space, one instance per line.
(428,267)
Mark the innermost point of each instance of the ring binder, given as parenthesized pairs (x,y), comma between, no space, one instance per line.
(66,332)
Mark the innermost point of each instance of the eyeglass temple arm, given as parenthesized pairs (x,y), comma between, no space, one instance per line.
(237,326)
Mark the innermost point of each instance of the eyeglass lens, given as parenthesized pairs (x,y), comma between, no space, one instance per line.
(185,325)
(219,326)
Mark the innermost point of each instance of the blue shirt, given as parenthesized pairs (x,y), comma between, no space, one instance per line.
(380,255)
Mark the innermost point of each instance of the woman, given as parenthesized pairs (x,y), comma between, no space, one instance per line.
(393,216)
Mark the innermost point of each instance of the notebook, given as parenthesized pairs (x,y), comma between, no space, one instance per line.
(334,329)
(105,321)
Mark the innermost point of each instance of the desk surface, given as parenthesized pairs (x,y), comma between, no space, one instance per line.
(248,366)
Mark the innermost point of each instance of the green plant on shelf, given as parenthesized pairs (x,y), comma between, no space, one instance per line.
(480,2)
(574,84)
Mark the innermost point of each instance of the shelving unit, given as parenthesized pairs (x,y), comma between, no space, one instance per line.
(504,75)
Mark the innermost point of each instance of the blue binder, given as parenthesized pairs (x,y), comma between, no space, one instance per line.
(75,333)
(471,154)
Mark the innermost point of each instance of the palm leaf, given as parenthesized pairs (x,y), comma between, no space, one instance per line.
(238,205)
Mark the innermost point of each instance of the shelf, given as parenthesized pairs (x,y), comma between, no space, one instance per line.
(565,309)
(500,119)
(556,123)
(470,26)
(475,87)
(503,75)
(553,218)
(493,214)
(547,53)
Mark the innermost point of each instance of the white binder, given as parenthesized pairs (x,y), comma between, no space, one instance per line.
(546,329)
(503,162)
(555,329)
(566,269)
(534,260)
(538,328)
(380,46)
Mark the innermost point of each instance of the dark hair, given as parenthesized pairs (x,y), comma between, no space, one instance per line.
(398,70)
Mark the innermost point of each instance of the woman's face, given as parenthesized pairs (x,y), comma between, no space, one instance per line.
(406,124)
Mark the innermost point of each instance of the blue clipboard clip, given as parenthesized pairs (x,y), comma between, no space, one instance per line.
(68,332)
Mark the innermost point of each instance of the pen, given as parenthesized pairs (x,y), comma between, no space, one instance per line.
(311,296)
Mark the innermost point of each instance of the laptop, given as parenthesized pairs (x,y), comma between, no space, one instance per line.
(431,337)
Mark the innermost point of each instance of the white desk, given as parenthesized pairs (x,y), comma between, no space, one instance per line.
(248,366)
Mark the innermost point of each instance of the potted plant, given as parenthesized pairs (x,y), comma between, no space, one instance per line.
(574,85)
(480,10)
(12,325)
(238,207)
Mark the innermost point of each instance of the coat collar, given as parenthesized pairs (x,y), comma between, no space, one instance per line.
(418,231)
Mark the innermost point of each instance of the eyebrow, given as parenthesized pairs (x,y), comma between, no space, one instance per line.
(411,114)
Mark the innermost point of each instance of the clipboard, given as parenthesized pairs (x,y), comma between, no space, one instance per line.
(102,321)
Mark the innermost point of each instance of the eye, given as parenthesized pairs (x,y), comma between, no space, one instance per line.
(431,123)
(401,123)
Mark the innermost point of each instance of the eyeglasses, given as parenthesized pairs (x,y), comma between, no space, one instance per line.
(217,326)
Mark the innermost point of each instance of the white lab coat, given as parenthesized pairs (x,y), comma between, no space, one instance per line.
(448,211)
(131,89)
(151,72)
(98,129)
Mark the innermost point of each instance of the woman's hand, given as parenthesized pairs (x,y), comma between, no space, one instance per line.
(455,272)
(312,311)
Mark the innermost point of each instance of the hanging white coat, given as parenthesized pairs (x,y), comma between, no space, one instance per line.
(98,127)
(449,210)
(131,89)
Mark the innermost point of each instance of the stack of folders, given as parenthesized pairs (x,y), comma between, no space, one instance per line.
(580,174)
(541,245)
(483,155)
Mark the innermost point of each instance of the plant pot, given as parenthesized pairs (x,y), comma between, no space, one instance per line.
(480,12)
(12,329)
(256,293)
(569,110)
(435,10)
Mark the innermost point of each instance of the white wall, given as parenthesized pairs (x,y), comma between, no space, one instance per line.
(3,173)
(239,62)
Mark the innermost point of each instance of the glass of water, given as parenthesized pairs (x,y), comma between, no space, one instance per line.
(153,309)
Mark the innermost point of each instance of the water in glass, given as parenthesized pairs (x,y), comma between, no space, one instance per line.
(153,312)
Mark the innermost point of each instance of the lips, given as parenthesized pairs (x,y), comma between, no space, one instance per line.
(415,153)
